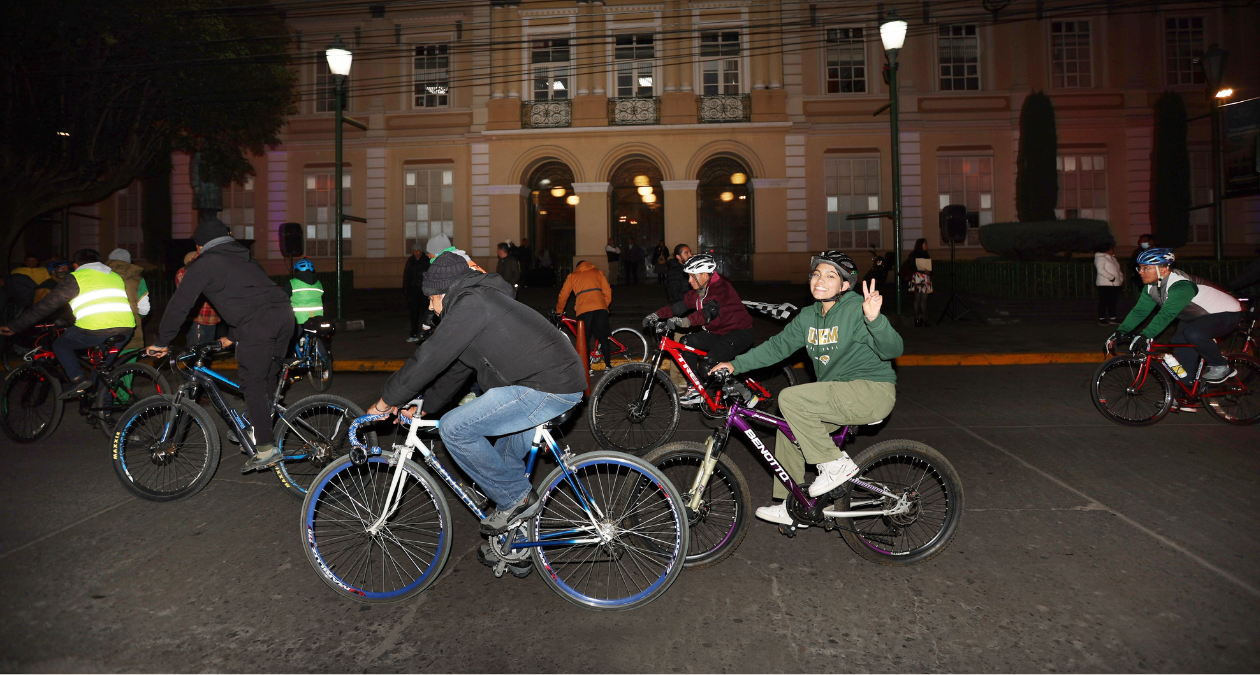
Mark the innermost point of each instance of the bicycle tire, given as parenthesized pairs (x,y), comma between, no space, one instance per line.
(904,464)
(333,543)
(1116,398)
(115,394)
(161,473)
(634,346)
(29,388)
(302,464)
(721,523)
(616,421)
(775,379)
(634,516)
(320,371)
(1242,408)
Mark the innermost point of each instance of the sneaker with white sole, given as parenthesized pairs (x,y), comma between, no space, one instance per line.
(690,399)
(832,475)
(1218,374)
(413,339)
(776,513)
(1183,407)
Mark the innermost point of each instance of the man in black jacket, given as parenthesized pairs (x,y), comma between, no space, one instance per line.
(676,283)
(259,319)
(413,286)
(528,370)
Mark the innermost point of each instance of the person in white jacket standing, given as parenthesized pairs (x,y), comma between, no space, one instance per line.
(1108,277)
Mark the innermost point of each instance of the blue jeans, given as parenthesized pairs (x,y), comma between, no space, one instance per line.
(509,413)
(75,339)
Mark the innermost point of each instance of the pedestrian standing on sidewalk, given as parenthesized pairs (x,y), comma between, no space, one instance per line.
(1108,277)
(660,262)
(613,251)
(413,287)
(591,298)
(633,258)
(920,280)
(508,267)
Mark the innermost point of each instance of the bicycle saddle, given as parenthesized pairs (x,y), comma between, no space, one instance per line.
(559,419)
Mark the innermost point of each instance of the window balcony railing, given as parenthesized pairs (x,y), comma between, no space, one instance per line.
(630,111)
(737,108)
(546,114)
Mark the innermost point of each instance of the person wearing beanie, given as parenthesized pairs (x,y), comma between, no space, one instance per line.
(137,290)
(259,319)
(440,243)
(527,369)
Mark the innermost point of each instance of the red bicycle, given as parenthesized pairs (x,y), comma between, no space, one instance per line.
(1243,340)
(635,407)
(628,344)
(1139,389)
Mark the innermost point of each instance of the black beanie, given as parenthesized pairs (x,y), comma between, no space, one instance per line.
(209,230)
(445,271)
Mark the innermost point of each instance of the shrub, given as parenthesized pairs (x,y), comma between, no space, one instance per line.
(1170,198)
(1045,240)
(1036,179)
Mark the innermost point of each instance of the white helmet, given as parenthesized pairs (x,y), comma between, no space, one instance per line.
(700,264)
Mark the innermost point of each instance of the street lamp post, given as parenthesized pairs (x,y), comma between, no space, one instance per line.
(892,32)
(1213,65)
(339,59)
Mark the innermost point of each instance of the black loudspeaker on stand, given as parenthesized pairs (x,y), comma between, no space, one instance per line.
(953,221)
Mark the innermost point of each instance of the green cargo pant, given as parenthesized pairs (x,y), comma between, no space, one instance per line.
(815,411)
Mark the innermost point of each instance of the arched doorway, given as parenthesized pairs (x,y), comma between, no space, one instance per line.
(637,206)
(552,214)
(724,219)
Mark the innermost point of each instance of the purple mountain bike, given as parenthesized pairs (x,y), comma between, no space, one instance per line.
(902,508)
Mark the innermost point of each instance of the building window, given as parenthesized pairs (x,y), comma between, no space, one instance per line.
(321,204)
(1201,186)
(326,87)
(549,60)
(967,181)
(720,68)
(1082,186)
(635,56)
(846,60)
(238,209)
(432,76)
(959,56)
(1071,62)
(1183,45)
(128,233)
(852,187)
(428,206)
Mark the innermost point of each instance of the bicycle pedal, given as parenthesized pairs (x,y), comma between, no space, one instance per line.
(500,568)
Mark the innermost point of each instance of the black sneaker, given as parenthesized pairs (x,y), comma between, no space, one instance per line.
(78,385)
(267,457)
(498,520)
(487,558)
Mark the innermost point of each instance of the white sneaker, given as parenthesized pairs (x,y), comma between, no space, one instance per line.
(413,339)
(832,475)
(1183,407)
(777,514)
(690,399)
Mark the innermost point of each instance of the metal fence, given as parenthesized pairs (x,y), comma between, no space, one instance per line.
(1054,280)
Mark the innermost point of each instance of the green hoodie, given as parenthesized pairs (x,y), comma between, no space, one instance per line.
(843,346)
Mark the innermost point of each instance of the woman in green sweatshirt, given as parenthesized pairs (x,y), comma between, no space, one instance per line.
(851,346)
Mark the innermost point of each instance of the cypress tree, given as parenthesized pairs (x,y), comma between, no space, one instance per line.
(1170,184)
(1037,180)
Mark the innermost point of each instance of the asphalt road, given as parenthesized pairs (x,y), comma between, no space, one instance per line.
(1085,547)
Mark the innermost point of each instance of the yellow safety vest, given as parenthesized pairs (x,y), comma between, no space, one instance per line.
(102,301)
(308,300)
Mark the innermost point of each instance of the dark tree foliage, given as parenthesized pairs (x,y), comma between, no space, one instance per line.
(1037,180)
(1170,197)
(1048,240)
(95,94)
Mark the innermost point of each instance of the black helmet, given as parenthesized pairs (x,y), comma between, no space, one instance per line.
(843,263)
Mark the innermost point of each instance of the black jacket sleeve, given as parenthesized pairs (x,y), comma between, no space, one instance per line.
(58,297)
(434,355)
(443,389)
(181,302)
(1249,276)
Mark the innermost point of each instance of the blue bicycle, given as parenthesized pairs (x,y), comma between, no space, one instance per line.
(611,534)
(313,352)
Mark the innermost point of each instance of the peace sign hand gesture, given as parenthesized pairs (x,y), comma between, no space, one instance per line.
(872,301)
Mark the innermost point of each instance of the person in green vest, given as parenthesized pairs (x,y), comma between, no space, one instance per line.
(305,291)
(98,298)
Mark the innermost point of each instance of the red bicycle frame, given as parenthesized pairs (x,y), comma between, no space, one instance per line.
(1198,389)
(676,349)
(594,355)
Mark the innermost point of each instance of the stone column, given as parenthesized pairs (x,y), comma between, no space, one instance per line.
(596,49)
(498,58)
(686,51)
(591,224)
(513,65)
(669,50)
(582,61)
(680,212)
(775,64)
(758,57)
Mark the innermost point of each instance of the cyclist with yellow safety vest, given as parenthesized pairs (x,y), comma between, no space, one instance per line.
(305,291)
(98,298)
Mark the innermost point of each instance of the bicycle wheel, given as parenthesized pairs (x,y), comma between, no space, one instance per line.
(311,435)
(1237,400)
(773,380)
(121,388)
(320,372)
(1128,392)
(629,346)
(718,526)
(936,496)
(402,558)
(31,404)
(621,420)
(165,470)
(640,532)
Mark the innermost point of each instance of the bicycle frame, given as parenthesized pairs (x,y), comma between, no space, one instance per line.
(1197,390)
(571,324)
(675,350)
(587,534)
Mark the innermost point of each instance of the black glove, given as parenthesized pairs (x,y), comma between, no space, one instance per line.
(711,310)
(1140,343)
(1116,338)
(650,320)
